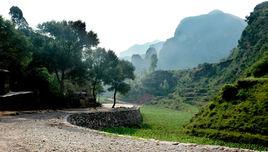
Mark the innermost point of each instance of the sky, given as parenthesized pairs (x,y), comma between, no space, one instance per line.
(123,23)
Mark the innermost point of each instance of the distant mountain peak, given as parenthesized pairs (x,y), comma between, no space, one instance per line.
(216,11)
(141,49)
(199,39)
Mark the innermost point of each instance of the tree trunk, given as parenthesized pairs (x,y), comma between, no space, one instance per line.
(57,75)
(62,82)
(94,91)
(114,98)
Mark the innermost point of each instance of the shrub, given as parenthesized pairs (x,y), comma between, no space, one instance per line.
(229,92)
(260,68)
(212,106)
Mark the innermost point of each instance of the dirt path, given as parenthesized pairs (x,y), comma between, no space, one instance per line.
(48,131)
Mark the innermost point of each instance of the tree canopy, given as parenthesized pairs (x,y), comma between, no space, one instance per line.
(58,57)
(123,70)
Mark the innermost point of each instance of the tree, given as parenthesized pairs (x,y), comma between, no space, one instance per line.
(15,52)
(65,45)
(124,70)
(98,63)
(165,87)
(153,64)
(17,17)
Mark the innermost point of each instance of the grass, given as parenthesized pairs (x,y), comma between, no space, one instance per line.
(166,124)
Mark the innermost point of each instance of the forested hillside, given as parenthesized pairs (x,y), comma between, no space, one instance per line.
(202,82)
(240,111)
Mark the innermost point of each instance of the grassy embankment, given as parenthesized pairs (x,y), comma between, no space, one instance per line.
(166,124)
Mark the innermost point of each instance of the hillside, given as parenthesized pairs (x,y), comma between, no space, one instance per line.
(240,111)
(202,82)
(199,39)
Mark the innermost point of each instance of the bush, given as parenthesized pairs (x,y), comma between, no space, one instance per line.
(260,68)
(212,106)
(229,92)
(246,83)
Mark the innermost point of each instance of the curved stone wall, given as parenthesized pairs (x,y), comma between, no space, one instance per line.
(126,117)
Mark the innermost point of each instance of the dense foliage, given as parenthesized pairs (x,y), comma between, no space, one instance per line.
(58,59)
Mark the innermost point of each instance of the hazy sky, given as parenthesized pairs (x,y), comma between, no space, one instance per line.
(122,23)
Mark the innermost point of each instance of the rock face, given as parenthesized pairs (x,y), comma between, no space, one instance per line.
(148,56)
(116,118)
(200,39)
(141,49)
(150,52)
(138,63)
(141,64)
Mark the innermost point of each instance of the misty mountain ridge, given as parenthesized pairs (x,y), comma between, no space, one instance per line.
(199,39)
(143,62)
(140,49)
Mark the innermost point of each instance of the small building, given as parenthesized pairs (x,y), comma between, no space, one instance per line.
(4,81)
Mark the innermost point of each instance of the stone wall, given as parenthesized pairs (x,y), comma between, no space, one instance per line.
(122,117)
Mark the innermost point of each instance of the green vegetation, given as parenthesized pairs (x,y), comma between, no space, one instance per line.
(200,84)
(59,60)
(240,111)
(156,83)
(234,92)
(260,68)
(238,114)
(167,124)
(122,71)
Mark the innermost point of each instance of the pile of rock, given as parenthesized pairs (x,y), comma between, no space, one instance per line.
(121,117)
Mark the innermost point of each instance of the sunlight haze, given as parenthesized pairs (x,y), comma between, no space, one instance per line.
(122,23)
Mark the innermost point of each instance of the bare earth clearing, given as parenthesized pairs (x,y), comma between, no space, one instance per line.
(49,131)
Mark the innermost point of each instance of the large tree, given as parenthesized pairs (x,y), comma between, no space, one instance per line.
(65,46)
(122,71)
(99,62)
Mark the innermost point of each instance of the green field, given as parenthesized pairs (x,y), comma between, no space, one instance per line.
(166,124)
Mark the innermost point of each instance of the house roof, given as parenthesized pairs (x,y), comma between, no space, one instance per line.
(4,71)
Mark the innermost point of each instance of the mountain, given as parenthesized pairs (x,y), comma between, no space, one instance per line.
(239,110)
(199,39)
(140,49)
(158,46)
(143,63)
(138,63)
